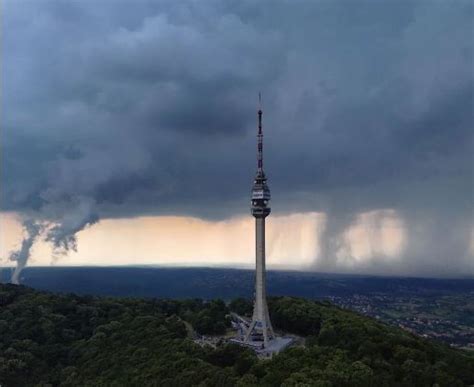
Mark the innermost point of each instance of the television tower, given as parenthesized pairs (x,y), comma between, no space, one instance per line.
(260,325)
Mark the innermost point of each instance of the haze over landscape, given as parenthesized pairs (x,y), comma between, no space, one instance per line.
(132,128)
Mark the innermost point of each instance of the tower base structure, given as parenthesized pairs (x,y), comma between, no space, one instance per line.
(255,340)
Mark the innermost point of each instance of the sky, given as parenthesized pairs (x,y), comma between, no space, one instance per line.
(128,133)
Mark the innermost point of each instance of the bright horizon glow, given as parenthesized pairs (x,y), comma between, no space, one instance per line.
(293,241)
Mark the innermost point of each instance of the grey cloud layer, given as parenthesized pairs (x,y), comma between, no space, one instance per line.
(149,107)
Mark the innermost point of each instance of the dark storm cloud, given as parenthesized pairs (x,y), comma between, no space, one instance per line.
(148,107)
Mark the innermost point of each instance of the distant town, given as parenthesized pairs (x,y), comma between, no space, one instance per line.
(449,318)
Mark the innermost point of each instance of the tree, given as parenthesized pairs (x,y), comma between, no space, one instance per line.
(241,306)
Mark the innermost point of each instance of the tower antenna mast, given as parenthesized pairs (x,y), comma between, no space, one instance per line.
(260,136)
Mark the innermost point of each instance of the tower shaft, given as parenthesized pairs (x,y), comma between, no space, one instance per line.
(261,317)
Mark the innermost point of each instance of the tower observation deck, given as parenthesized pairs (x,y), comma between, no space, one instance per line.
(260,328)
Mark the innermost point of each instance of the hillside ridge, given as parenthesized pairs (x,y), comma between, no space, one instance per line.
(72,340)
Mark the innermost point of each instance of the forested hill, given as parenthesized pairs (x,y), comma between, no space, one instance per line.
(70,340)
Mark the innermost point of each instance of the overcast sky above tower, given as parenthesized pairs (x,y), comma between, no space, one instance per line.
(143,113)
